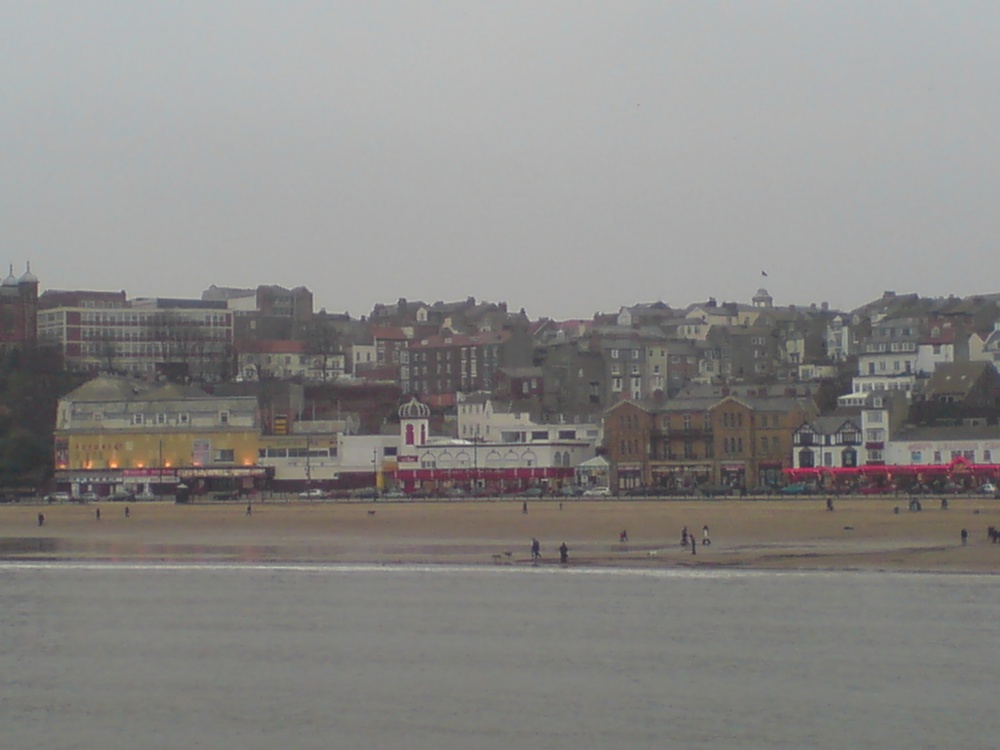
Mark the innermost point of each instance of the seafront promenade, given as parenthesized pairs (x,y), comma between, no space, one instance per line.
(800,533)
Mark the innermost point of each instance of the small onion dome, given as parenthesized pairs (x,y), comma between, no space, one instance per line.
(414,410)
(27,277)
(11,279)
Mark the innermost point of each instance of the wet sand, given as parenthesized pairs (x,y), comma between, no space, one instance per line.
(862,534)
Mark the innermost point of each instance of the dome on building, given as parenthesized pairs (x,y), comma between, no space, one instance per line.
(11,279)
(28,277)
(414,410)
(762,298)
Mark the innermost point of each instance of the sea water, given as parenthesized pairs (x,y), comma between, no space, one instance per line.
(201,656)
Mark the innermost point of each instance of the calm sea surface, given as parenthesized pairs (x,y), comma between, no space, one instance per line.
(111,656)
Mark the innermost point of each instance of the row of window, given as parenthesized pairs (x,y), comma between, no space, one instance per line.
(296,452)
(917,457)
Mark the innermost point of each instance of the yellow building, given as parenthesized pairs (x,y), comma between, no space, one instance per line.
(117,434)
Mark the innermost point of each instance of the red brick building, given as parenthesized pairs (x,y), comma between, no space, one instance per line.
(18,309)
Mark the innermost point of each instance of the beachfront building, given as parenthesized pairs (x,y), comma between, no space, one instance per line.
(491,465)
(482,417)
(121,434)
(679,445)
(830,442)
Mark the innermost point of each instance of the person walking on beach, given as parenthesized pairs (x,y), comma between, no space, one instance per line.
(965,537)
(623,537)
(684,537)
(536,549)
(829,504)
(524,507)
(705,540)
(249,509)
(694,546)
(563,553)
(41,519)
(97,514)
(128,513)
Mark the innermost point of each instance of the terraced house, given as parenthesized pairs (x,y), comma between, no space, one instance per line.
(683,444)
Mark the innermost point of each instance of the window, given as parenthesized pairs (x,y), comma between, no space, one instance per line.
(224,417)
(937,457)
(987,456)
(915,457)
(138,419)
(183,418)
(225,456)
(540,435)
(161,419)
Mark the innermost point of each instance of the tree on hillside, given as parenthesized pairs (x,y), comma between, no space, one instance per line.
(32,380)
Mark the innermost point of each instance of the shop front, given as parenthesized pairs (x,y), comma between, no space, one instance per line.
(225,482)
(681,478)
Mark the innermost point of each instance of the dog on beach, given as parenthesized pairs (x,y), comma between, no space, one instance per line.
(371,513)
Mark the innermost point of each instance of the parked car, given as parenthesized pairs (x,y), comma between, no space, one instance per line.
(394,494)
(571,490)
(455,492)
(796,488)
(533,492)
(312,494)
(716,490)
(988,489)
(58,497)
(597,492)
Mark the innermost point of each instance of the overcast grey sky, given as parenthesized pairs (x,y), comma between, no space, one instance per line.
(566,157)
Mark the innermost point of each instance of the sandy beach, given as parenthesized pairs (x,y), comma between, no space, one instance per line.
(862,534)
